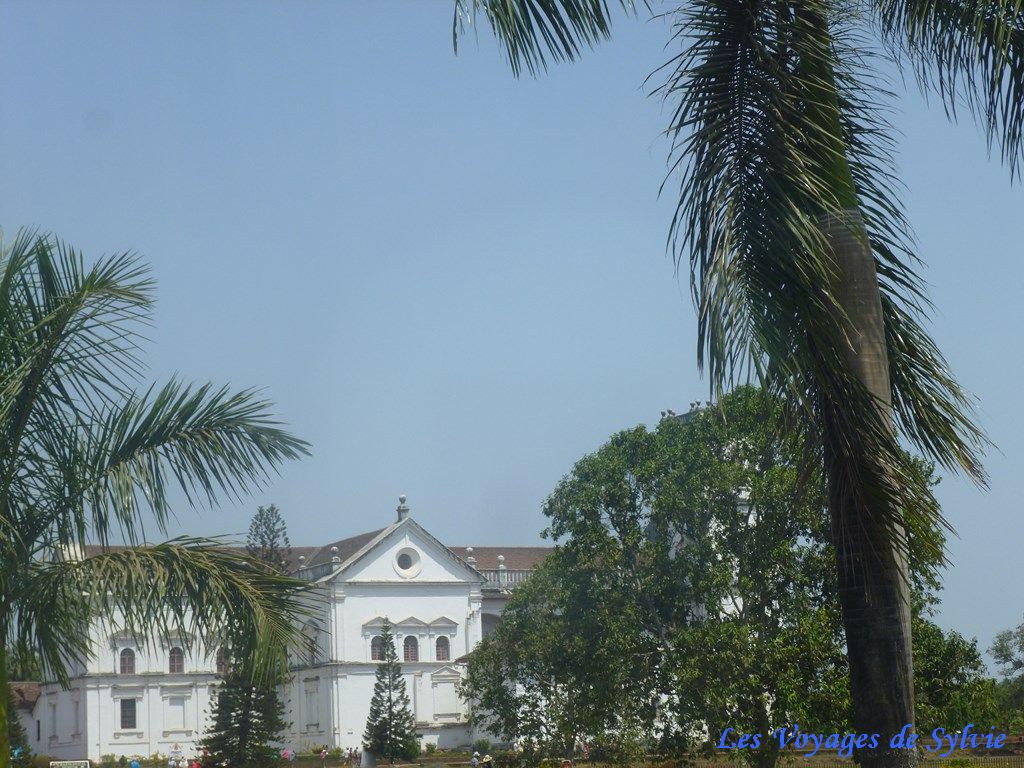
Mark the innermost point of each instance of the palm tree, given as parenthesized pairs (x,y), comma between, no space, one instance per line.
(801,260)
(85,458)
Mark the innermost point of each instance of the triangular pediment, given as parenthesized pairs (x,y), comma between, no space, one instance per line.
(409,621)
(402,553)
(445,674)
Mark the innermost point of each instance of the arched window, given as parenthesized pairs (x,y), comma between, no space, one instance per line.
(177,661)
(377,649)
(443,649)
(412,648)
(222,662)
(127,662)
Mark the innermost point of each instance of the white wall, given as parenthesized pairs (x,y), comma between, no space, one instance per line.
(325,703)
(85,721)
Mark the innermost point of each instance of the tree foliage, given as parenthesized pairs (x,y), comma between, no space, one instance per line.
(21,753)
(267,540)
(90,456)
(951,682)
(390,728)
(246,719)
(246,712)
(1008,651)
(803,267)
(693,588)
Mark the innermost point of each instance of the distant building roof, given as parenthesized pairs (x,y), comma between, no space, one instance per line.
(516,558)
(346,548)
(25,694)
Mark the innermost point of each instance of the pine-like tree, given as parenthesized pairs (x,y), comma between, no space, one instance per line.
(247,719)
(268,537)
(21,755)
(247,714)
(390,728)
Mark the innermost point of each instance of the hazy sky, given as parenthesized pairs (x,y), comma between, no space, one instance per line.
(453,284)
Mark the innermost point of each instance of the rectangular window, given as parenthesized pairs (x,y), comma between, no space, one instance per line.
(176,712)
(39,730)
(446,698)
(312,704)
(128,720)
(75,729)
(53,721)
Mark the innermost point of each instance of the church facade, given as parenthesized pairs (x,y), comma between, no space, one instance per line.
(154,698)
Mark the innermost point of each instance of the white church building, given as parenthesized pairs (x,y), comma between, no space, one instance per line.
(154,698)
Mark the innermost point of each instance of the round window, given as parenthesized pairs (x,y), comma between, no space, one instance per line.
(407,562)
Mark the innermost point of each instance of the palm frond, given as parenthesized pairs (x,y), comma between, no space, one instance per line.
(766,175)
(534,32)
(105,477)
(197,591)
(84,456)
(69,343)
(932,408)
(969,52)
(751,181)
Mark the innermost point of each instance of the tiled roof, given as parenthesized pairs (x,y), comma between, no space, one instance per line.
(346,548)
(25,695)
(516,558)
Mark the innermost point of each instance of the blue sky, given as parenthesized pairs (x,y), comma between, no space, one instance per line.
(453,284)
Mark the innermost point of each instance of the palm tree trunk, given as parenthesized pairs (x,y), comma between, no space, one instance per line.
(873,572)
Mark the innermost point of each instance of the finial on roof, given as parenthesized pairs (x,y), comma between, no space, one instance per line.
(334,555)
(501,562)
(403,508)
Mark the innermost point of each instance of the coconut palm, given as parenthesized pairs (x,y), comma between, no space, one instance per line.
(88,459)
(802,262)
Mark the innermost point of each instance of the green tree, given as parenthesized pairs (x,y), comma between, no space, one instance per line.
(267,540)
(802,262)
(247,716)
(390,727)
(1008,651)
(17,737)
(672,542)
(24,664)
(246,713)
(86,457)
(567,662)
(692,588)
(951,684)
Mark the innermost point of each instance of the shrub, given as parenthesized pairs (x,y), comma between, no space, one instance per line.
(483,746)
(431,748)
(42,761)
